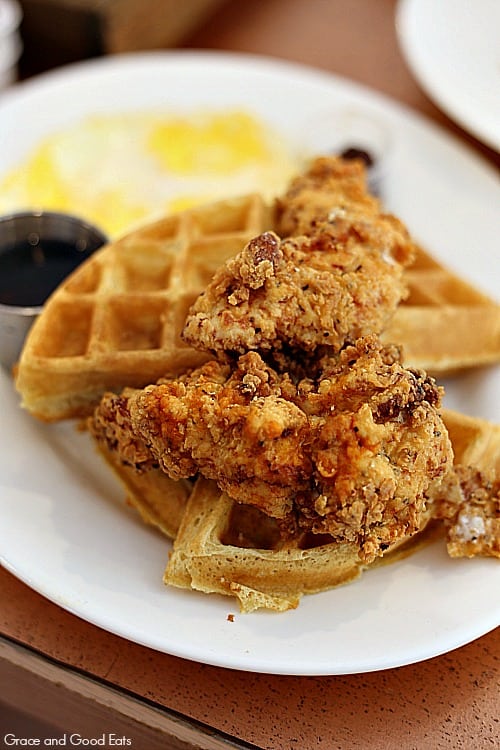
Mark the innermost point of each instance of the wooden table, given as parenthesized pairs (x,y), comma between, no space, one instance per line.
(70,675)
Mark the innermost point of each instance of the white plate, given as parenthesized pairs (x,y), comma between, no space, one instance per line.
(453,48)
(65,530)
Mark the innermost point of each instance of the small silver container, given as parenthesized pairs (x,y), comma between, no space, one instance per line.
(37,251)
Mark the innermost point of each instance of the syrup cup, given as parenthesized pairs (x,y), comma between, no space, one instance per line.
(33,262)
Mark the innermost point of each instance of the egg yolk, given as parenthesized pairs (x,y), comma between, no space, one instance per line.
(220,144)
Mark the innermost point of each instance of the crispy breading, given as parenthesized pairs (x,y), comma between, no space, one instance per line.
(215,417)
(379,447)
(339,277)
(469,504)
(230,424)
(352,453)
(301,293)
(111,426)
(333,188)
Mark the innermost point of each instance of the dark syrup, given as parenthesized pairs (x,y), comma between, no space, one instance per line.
(353,152)
(29,273)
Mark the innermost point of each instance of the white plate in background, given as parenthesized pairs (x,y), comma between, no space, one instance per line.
(453,48)
(65,529)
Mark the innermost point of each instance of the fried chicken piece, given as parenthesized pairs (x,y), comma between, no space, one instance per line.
(340,281)
(232,425)
(304,293)
(111,426)
(331,187)
(469,504)
(352,453)
(379,449)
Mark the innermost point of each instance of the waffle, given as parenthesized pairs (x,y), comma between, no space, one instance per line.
(159,500)
(476,442)
(116,321)
(234,550)
(231,549)
(445,325)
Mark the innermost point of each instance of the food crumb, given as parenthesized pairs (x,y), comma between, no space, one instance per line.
(230,617)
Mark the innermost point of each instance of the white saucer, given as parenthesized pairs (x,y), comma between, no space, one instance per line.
(453,48)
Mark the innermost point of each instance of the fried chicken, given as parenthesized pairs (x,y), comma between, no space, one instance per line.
(333,187)
(380,447)
(111,426)
(340,277)
(469,504)
(352,453)
(230,424)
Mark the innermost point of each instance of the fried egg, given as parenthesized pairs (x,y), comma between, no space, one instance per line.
(120,170)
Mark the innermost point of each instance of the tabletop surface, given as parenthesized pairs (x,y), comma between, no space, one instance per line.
(450,701)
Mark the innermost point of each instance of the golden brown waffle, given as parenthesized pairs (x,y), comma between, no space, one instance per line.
(116,321)
(231,549)
(445,325)
(234,550)
(476,442)
(223,548)
(160,501)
